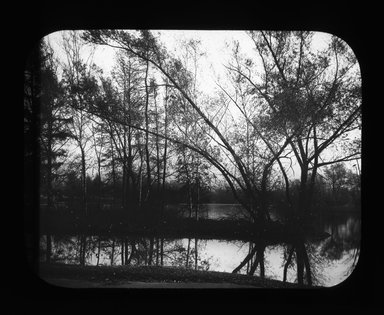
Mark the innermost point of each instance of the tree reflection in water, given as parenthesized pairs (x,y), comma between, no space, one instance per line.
(297,255)
(254,259)
(297,252)
(309,262)
(312,262)
(98,250)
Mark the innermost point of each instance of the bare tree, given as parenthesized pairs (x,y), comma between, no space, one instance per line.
(81,92)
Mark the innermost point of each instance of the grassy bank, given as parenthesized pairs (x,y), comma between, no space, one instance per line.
(109,275)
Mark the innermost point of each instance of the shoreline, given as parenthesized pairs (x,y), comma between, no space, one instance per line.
(273,232)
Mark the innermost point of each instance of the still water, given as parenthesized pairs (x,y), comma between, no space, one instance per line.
(330,261)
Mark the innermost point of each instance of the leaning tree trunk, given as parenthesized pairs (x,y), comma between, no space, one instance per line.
(286,265)
(246,260)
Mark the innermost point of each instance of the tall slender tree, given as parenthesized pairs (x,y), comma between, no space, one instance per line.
(81,90)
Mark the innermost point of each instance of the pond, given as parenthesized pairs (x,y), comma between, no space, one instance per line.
(329,261)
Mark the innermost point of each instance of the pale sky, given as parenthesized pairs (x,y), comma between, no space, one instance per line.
(213,43)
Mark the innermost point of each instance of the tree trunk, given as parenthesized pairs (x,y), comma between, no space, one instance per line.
(263,194)
(250,247)
(112,252)
(124,201)
(197,195)
(165,152)
(303,192)
(130,180)
(98,251)
(259,260)
(126,251)
(158,162)
(254,266)
(151,243)
(196,253)
(145,252)
(162,252)
(122,252)
(262,268)
(314,172)
(246,260)
(306,264)
(190,201)
(286,265)
(146,133)
(140,177)
(300,265)
(83,249)
(157,251)
(49,169)
(49,249)
(189,188)
(84,181)
(123,188)
(99,183)
(113,175)
(188,250)
(133,251)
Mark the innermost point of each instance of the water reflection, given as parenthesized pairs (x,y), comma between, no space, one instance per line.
(316,262)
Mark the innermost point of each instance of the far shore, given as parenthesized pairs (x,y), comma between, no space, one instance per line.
(272,232)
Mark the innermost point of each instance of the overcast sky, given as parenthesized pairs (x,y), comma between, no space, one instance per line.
(213,43)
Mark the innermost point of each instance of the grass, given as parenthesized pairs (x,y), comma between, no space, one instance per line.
(117,274)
